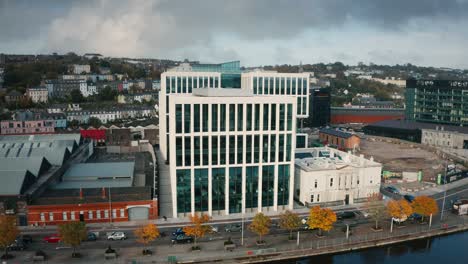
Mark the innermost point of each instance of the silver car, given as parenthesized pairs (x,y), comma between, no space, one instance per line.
(233,228)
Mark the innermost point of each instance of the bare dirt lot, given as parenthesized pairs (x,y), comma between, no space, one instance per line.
(399,158)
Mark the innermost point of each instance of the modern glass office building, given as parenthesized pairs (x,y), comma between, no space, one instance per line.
(231,151)
(437,101)
(272,83)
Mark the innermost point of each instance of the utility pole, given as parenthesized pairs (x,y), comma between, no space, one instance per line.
(391,225)
(110,207)
(347,231)
(298,233)
(242,233)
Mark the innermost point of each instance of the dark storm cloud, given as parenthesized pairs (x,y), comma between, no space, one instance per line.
(219,29)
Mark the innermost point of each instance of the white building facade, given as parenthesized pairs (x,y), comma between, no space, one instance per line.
(329,176)
(230,151)
(38,95)
(442,138)
(179,83)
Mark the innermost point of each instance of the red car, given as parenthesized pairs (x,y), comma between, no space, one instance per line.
(52,238)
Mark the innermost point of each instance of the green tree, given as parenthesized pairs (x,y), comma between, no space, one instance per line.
(376,208)
(94,122)
(8,230)
(289,221)
(72,234)
(260,225)
(107,94)
(76,96)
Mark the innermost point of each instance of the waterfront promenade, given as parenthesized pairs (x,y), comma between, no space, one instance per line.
(278,246)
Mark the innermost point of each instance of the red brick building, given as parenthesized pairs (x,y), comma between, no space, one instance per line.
(344,115)
(93,206)
(342,140)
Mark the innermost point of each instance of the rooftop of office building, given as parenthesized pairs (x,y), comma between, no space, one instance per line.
(325,158)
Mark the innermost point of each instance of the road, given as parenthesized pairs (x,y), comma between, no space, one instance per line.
(166,230)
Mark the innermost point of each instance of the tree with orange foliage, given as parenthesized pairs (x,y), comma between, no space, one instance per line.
(146,234)
(321,218)
(198,228)
(8,230)
(425,206)
(260,225)
(400,209)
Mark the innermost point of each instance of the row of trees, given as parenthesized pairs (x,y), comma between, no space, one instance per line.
(400,210)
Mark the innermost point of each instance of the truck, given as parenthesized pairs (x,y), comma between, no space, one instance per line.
(460,207)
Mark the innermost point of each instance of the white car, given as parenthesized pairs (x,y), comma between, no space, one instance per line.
(400,220)
(116,236)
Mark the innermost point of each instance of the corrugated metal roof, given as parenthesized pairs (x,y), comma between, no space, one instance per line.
(32,164)
(93,184)
(12,181)
(337,133)
(100,170)
(413,125)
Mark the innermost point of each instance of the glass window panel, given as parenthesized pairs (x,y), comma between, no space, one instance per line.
(196,118)
(201,190)
(235,190)
(268,176)
(178,118)
(187,152)
(218,186)
(183,192)
(251,192)
(232,117)
(179,151)
(214,117)
(187,118)
(240,117)
(205,118)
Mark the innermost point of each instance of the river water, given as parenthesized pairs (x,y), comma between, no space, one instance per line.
(451,249)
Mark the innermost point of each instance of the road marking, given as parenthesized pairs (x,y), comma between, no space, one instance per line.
(450,194)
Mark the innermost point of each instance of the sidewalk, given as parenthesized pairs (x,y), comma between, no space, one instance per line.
(278,246)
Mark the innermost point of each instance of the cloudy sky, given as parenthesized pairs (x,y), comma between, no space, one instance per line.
(257,32)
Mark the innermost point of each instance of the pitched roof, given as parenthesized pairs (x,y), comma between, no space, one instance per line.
(32,164)
(337,133)
(13,181)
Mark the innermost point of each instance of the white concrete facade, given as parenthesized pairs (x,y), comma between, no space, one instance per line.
(225,135)
(38,95)
(272,83)
(325,175)
(180,83)
(444,139)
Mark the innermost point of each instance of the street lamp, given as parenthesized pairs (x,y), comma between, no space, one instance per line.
(445,192)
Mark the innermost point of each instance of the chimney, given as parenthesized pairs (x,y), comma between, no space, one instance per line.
(81,193)
(103,193)
(361,159)
(372,158)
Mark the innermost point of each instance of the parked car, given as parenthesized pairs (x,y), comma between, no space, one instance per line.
(181,239)
(179,231)
(27,239)
(400,220)
(409,198)
(233,228)
(55,238)
(392,189)
(415,217)
(345,215)
(213,229)
(17,245)
(116,236)
(91,237)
